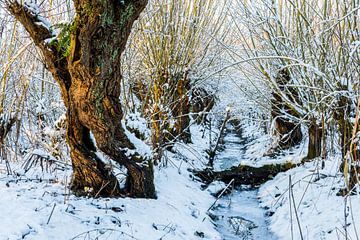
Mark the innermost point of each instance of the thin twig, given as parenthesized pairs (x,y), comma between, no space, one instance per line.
(52,211)
(222,192)
(296,212)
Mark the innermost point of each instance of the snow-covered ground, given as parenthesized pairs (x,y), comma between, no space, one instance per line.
(315,207)
(311,210)
(178,213)
(34,209)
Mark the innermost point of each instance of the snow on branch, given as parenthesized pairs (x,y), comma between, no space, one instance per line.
(40,30)
(28,14)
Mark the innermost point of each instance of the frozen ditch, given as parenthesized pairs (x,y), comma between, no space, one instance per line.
(238,215)
(234,149)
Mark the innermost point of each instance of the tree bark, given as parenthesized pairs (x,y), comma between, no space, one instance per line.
(181,108)
(89,78)
(6,123)
(289,133)
(342,116)
(315,138)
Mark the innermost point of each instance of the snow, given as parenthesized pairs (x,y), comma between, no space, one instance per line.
(41,21)
(50,40)
(215,187)
(322,214)
(181,209)
(240,213)
(140,146)
(136,121)
(302,203)
(251,149)
(178,213)
(31,6)
(34,9)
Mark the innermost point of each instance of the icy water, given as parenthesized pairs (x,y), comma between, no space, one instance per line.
(234,149)
(238,215)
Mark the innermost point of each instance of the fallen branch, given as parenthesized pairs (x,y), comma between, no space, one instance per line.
(52,211)
(244,174)
(220,195)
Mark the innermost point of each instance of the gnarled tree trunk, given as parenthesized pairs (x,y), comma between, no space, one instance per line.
(89,78)
(289,133)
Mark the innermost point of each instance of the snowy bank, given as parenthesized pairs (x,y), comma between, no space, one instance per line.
(316,210)
(178,213)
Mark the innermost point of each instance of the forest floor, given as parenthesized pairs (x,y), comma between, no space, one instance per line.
(36,204)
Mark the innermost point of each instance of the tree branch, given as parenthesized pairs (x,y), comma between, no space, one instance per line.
(35,25)
(40,31)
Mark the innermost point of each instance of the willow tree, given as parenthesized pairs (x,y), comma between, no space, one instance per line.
(85,62)
(164,78)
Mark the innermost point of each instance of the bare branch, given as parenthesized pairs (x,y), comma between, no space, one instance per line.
(44,38)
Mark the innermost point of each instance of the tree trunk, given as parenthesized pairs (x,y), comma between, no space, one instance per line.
(342,116)
(88,72)
(288,133)
(6,123)
(90,175)
(315,138)
(181,109)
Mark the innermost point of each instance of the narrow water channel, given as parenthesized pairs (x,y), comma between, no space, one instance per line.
(234,147)
(238,215)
